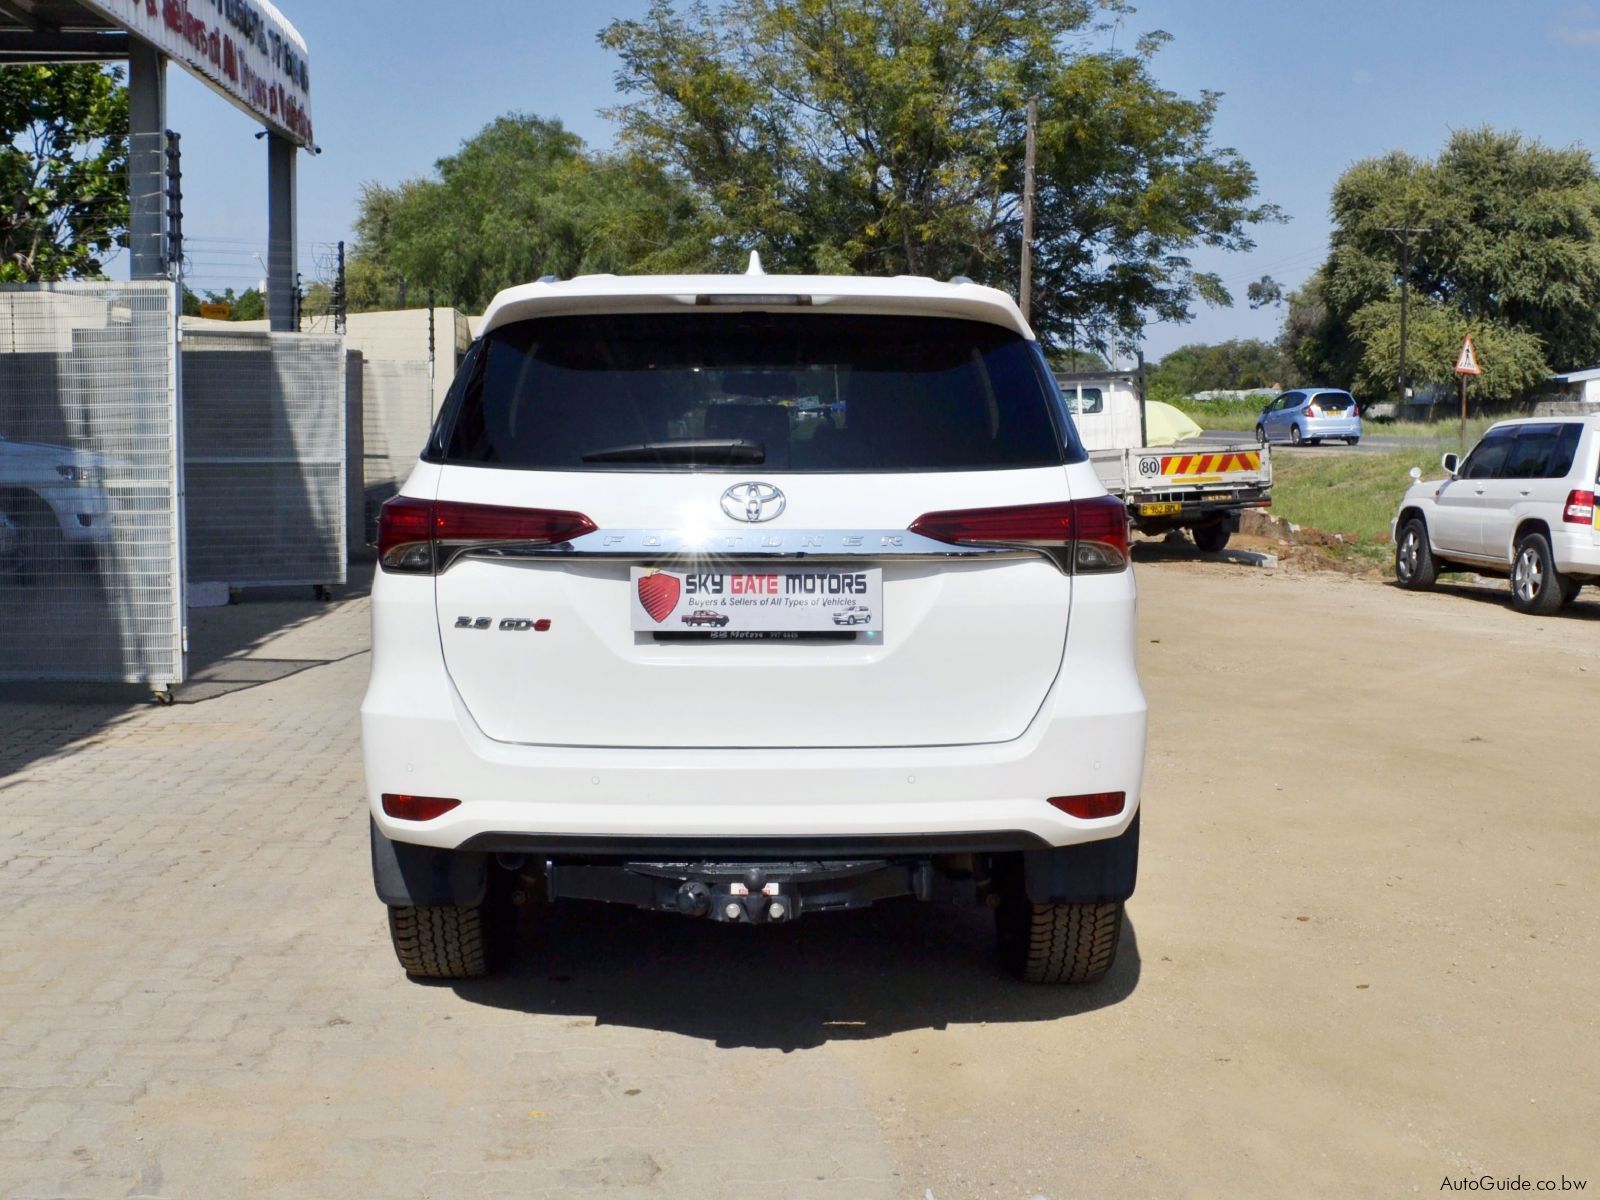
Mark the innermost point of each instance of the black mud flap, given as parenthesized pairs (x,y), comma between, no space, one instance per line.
(1090,873)
(422,876)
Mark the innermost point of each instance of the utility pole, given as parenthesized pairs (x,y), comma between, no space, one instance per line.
(1026,290)
(1403,234)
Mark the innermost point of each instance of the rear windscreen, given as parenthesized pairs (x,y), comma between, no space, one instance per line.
(787,391)
(1335,401)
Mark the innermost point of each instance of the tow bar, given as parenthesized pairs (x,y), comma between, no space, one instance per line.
(743,893)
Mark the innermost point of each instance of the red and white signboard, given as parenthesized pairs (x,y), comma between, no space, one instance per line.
(757,600)
(1467,360)
(245,49)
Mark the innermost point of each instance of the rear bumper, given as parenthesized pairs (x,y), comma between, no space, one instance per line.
(1577,553)
(739,879)
(1193,504)
(1328,428)
(418,739)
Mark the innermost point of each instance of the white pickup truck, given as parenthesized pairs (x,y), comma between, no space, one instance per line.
(1201,488)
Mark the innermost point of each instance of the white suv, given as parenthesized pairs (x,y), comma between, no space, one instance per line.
(1522,504)
(617,454)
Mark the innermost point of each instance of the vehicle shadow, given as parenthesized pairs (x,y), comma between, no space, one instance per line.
(844,976)
(1498,594)
(39,720)
(222,640)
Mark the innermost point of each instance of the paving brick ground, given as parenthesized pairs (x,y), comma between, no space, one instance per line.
(198,998)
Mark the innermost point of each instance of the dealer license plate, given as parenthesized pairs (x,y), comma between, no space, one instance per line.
(1164,509)
(756,600)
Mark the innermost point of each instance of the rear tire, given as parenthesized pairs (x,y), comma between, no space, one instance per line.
(1355,441)
(441,941)
(1211,539)
(1058,943)
(1414,566)
(1261,435)
(1570,588)
(1294,435)
(1536,586)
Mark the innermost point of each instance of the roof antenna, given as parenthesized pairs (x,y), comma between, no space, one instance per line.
(755,265)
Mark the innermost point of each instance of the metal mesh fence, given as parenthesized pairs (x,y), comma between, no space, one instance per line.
(264,454)
(90,538)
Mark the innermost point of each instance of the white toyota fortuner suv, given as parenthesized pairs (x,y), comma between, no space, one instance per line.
(619,454)
(1521,504)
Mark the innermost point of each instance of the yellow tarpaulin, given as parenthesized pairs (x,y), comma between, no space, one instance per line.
(1165,425)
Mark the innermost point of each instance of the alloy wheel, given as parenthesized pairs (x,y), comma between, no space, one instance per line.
(1410,553)
(1527,580)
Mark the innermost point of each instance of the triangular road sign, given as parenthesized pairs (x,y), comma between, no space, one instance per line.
(1467,360)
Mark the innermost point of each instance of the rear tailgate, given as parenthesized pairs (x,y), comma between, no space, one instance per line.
(553,652)
(1214,470)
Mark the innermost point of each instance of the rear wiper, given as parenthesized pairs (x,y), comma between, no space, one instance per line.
(684,450)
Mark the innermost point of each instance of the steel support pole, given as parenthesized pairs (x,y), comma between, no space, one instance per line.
(147,131)
(1144,424)
(282,222)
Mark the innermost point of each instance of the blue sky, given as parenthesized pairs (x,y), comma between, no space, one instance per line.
(1308,89)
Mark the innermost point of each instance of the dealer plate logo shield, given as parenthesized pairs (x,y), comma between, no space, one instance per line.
(753,502)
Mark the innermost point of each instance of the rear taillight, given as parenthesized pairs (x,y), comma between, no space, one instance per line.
(1580,508)
(421,536)
(1308,411)
(1355,410)
(1094,532)
(405,534)
(1092,807)
(416,808)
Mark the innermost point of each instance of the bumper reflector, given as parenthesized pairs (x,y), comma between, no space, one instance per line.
(1091,807)
(416,808)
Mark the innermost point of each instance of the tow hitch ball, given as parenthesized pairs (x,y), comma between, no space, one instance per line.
(736,902)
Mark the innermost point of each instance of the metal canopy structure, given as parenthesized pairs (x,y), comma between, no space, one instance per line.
(244,50)
(33,31)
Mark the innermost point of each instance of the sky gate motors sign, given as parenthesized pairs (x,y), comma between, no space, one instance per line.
(243,48)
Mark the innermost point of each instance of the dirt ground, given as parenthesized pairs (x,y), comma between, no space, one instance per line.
(1365,954)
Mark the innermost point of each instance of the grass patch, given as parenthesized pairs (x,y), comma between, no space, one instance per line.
(1356,495)
(1447,434)
(1222,414)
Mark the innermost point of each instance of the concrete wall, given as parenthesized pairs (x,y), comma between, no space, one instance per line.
(402,337)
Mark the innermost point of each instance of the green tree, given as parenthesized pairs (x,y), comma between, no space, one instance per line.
(1512,359)
(63,170)
(1227,366)
(1499,236)
(248,305)
(1077,362)
(1265,292)
(887,135)
(521,199)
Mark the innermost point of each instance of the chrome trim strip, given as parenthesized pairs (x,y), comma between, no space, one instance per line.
(812,545)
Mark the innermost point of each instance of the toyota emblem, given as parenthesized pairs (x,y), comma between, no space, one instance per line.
(753,502)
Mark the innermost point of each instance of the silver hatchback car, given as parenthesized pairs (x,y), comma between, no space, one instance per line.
(1307,416)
